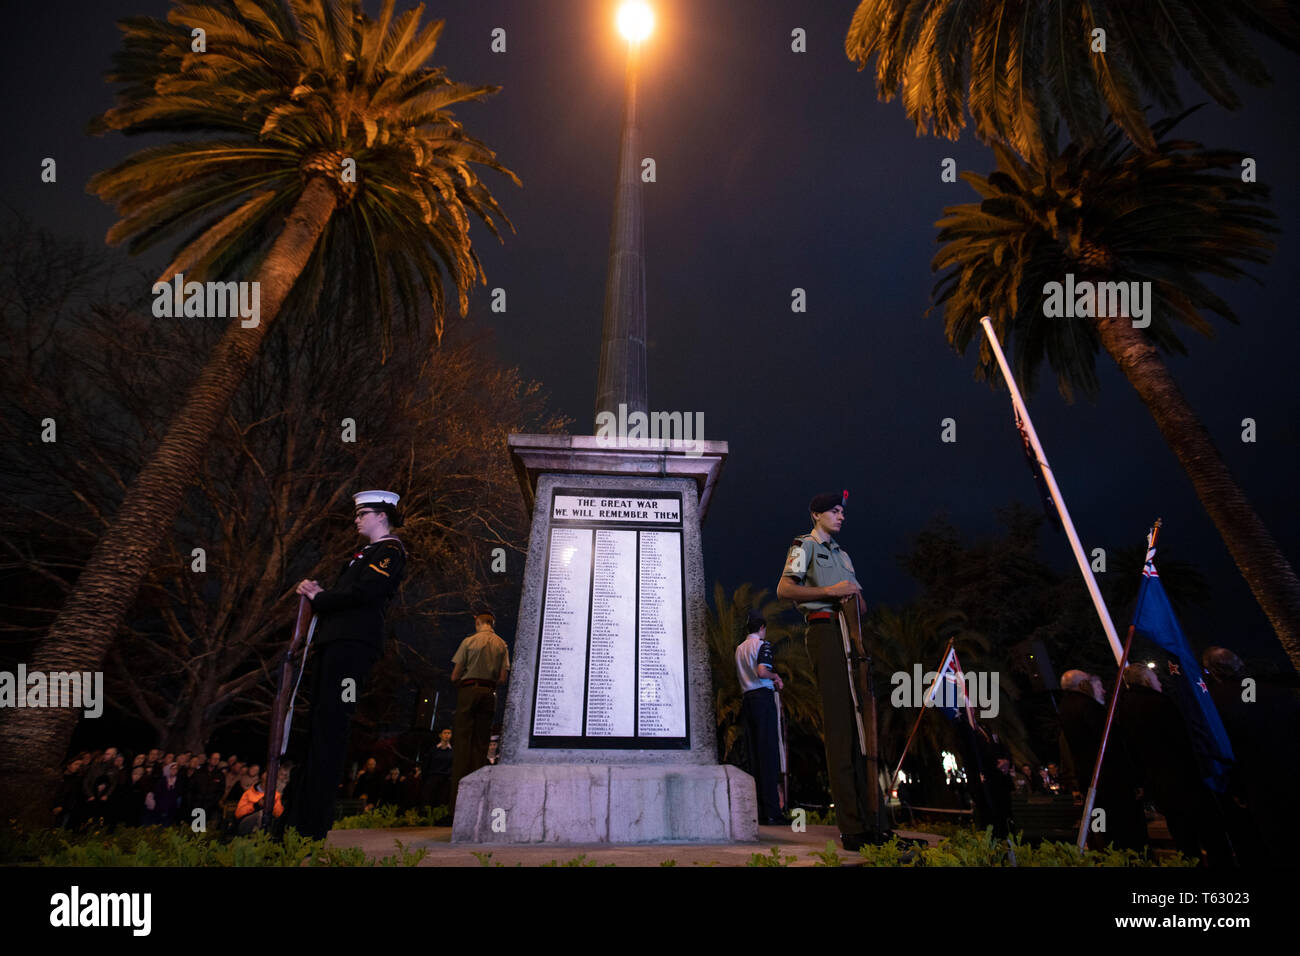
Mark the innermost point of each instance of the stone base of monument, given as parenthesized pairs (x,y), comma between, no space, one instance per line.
(606,803)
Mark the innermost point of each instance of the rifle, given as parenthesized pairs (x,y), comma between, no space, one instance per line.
(291,665)
(783,749)
(864,708)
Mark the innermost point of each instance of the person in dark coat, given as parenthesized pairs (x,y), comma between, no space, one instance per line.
(392,789)
(141,786)
(1153,728)
(1263,784)
(347,640)
(102,771)
(368,783)
(68,801)
(415,790)
(163,804)
(128,799)
(1083,719)
(439,770)
(208,783)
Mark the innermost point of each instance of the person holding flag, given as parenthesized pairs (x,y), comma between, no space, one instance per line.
(1154,619)
(1157,737)
(1082,716)
(1260,800)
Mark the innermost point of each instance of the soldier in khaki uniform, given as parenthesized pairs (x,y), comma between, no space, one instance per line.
(817,574)
(480,664)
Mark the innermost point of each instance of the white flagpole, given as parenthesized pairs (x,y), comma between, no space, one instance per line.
(1057,499)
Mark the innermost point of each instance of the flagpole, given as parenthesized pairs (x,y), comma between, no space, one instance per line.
(1110,711)
(893,780)
(1057,499)
(1101,749)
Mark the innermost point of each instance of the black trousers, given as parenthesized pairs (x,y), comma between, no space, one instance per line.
(845,765)
(472,732)
(1195,822)
(312,808)
(758,714)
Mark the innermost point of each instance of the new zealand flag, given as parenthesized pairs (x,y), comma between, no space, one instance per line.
(1182,677)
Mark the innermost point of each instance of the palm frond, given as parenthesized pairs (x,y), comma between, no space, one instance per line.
(289,90)
(1107,212)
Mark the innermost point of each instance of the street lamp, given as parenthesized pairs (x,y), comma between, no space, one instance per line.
(635,20)
(621,380)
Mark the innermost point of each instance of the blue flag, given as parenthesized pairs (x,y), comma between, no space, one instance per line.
(1182,677)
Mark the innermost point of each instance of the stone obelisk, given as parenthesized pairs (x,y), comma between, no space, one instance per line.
(622,377)
(609,732)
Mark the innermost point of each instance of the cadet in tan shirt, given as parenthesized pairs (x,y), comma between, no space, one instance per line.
(818,574)
(480,663)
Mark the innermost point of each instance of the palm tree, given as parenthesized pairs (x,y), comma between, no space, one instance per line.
(1020,66)
(1108,213)
(724,629)
(324,153)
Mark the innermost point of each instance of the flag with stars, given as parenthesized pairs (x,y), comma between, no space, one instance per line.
(1180,675)
(948,692)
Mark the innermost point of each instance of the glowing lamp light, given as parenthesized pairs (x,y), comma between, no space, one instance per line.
(635,20)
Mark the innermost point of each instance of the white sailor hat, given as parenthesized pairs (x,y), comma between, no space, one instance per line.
(376,498)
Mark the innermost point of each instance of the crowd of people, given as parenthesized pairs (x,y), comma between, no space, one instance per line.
(111,788)
(1243,818)
(1237,815)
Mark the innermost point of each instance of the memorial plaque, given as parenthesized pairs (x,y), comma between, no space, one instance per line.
(662,710)
(562,665)
(611,663)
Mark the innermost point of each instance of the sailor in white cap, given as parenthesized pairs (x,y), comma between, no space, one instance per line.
(348,639)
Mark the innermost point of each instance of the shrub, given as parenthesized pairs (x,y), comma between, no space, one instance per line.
(971,847)
(388,817)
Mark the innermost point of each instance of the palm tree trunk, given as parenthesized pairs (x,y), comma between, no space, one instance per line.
(33,740)
(1271,578)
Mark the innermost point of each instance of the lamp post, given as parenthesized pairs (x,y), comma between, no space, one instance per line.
(622,377)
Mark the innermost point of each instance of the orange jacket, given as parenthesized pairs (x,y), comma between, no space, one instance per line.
(250,798)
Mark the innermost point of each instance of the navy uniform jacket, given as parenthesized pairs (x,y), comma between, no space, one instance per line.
(353,609)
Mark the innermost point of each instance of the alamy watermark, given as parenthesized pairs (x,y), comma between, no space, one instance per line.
(641,429)
(1094,300)
(978,688)
(224,300)
(77,909)
(83,689)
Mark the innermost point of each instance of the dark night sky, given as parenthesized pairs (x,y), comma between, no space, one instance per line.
(777,170)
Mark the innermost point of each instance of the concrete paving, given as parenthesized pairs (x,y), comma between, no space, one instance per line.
(442,852)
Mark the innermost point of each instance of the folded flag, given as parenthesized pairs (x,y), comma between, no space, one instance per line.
(1036,467)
